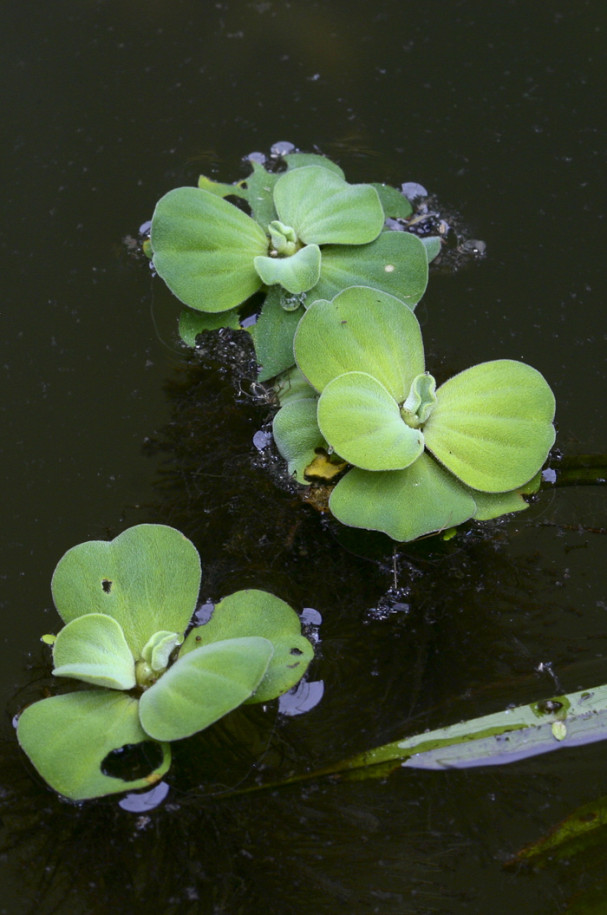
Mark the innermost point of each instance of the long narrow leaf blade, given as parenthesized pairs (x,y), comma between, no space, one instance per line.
(504,737)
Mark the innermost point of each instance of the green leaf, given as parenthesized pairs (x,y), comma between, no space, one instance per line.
(361,420)
(157,651)
(574,835)
(405,504)
(68,737)
(493,505)
(204,249)
(420,401)
(273,335)
(296,273)
(395,204)
(147,579)
(300,160)
(433,245)
(361,330)
(297,436)
(219,189)
(395,262)
(502,737)
(492,425)
(293,385)
(192,323)
(203,686)
(325,209)
(93,648)
(252,612)
(283,238)
(259,187)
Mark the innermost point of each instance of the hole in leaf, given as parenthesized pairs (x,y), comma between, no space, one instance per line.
(296,651)
(106,584)
(132,761)
(548,706)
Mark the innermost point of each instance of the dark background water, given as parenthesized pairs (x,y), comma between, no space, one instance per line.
(496,108)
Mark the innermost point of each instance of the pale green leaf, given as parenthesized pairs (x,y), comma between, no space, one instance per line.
(220,189)
(297,436)
(293,385)
(296,273)
(258,188)
(300,160)
(361,421)
(433,246)
(93,648)
(157,651)
(502,737)
(192,323)
(203,248)
(147,579)
(68,737)
(495,504)
(361,330)
(396,263)
(492,425)
(273,335)
(325,209)
(203,686)
(405,504)
(252,612)
(420,401)
(394,203)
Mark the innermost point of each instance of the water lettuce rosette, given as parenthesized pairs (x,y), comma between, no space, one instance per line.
(310,234)
(421,458)
(126,605)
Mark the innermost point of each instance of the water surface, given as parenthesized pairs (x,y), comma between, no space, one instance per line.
(496,109)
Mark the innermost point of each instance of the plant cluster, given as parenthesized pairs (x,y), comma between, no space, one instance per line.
(309,235)
(417,458)
(127,605)
(337,333)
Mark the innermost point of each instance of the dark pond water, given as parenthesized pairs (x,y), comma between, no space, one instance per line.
(497,109)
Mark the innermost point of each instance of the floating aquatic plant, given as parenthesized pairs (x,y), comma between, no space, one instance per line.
(309,235)
(126,605)
(418,458)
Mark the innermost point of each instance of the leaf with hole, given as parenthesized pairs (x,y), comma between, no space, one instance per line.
(68,737)
(252,612)
(147,579)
